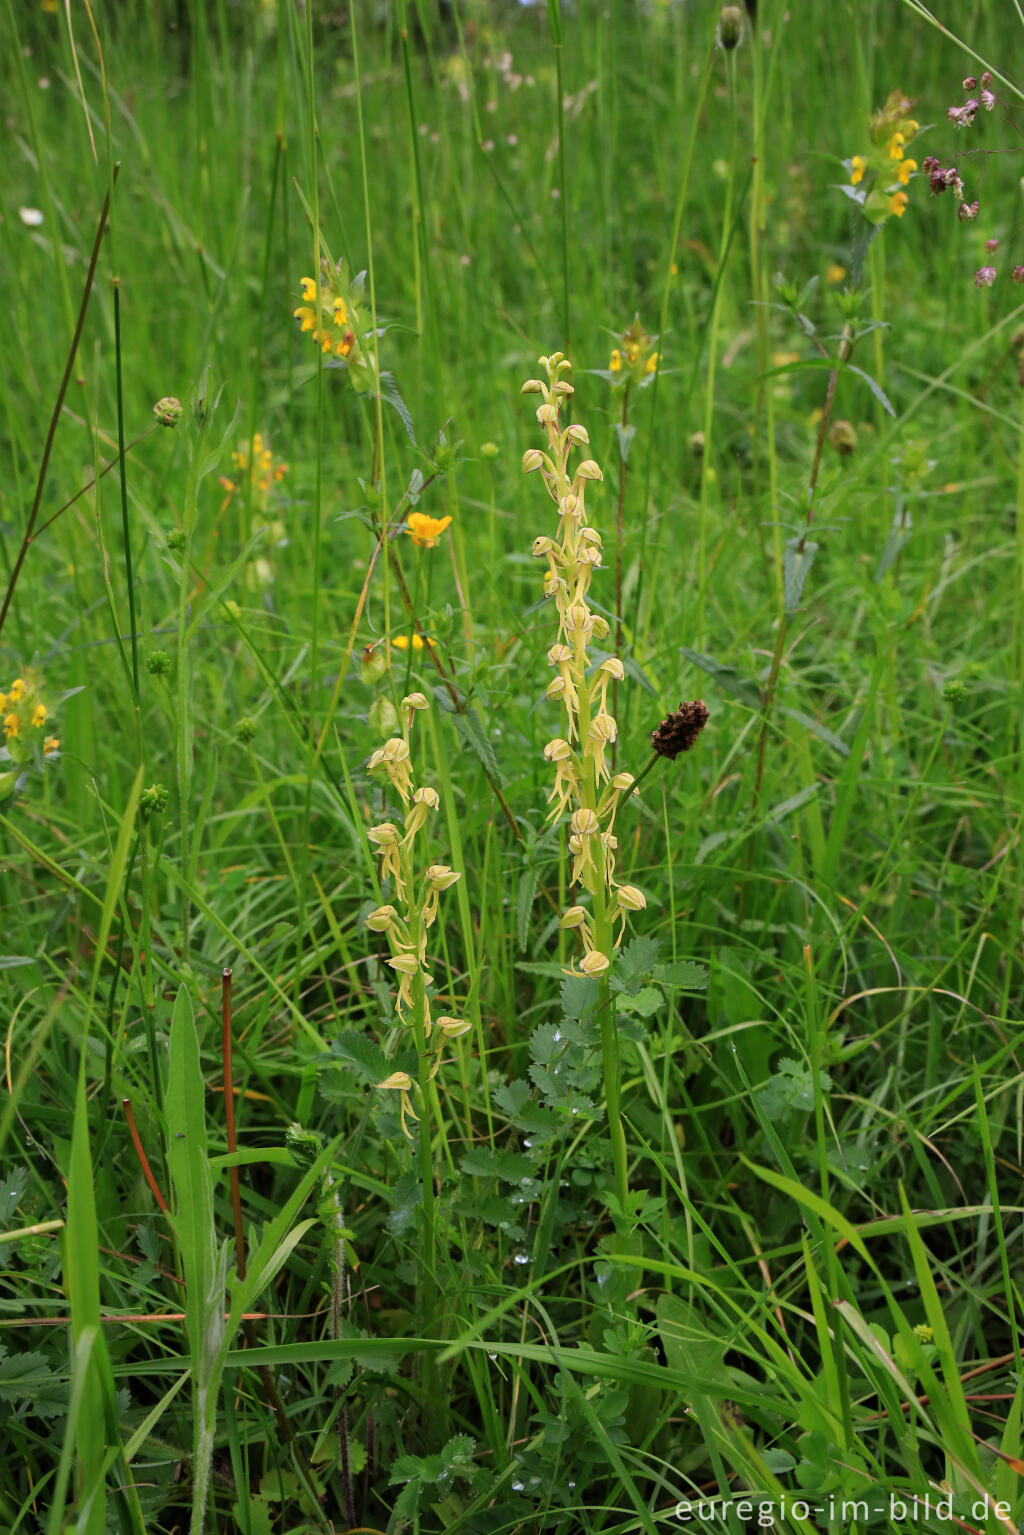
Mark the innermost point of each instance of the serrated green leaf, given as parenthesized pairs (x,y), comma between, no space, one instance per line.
(685,973)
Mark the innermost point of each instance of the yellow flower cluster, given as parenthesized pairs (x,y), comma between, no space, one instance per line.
(408,918)
(23,715)
(885,170)
(584,787)
(255,464)
(336,335)
(634,360)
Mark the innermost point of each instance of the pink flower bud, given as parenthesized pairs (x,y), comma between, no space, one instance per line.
(991,245)
(984,277)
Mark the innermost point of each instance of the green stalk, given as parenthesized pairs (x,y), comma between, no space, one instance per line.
(706,466)
(555,18)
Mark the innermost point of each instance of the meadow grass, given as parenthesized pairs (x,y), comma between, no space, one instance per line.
(734,1219)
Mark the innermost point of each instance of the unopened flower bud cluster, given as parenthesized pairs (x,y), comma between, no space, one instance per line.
(584,786)
(416,892)
(944,178)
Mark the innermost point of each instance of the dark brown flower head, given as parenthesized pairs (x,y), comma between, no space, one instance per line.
(679,731)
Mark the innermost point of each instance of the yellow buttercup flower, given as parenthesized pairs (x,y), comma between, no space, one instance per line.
(426,531)
(835,273)
(402,642)
(858,165)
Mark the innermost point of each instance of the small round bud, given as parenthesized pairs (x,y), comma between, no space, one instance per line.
(153,801)
(588,470)
(381,919)
(584,822)
(576,916)
(373,664)
(232,609)
(970,84)
(532,459)
(489,450)
(532,386)
(158,663)
(730,27)
(985,276)
(546,413)
(452,1028)
(630,898)
(988,101)
(595,963)
(577,434)
(986,80)
(302,1145)
(967,211)
(953,691)
(383,716)
(991,246)
(168,411)
(843,437)
(397,1082)
(245,729)
(176,538)
(1017,274)
(415,702)
(930,165)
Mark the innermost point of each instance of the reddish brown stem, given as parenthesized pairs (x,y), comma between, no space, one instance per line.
(147,1171)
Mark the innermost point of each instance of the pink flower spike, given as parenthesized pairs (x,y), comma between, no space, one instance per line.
(984,277)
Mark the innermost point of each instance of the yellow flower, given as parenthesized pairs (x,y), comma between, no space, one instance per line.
(309,290)
(896,144)
(910,128)
(615,362)
(651,365)
(39,716)
(340,312)
(426,530)
(12,725)
(401,642)
(51,744)
(307,316)
(836,273)
(897,203)
(17,690)
(858,165)
(905,169)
